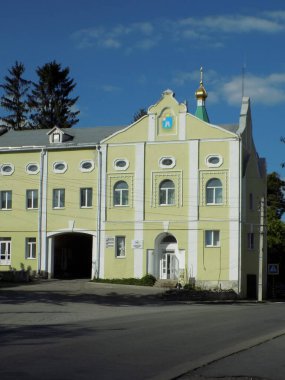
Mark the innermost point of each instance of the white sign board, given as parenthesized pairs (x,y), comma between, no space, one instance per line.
(137,243)
(109,241)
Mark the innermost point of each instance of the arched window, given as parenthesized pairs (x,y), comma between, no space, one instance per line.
(167,193)
(121,193)
(214,191)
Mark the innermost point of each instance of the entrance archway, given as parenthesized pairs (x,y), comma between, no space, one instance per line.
(166,263)
(72,255)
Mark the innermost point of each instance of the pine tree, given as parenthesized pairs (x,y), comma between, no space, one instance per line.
(140,113)
(14,99)
(49,101)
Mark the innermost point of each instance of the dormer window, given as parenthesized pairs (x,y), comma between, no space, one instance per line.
(57,135)
(56,138)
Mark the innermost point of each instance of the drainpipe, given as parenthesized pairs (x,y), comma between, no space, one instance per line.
(240,214)
(40,214)
(99,201)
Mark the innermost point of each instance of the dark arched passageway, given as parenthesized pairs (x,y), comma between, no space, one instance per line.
(72,255)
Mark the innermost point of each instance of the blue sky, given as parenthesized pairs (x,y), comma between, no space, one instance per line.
(124,53)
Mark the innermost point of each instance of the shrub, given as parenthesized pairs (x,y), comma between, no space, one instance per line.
(147,280)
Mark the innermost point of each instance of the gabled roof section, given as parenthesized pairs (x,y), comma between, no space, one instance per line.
(167,100)
(39,138)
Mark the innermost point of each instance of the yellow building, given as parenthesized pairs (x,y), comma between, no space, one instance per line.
(171,195)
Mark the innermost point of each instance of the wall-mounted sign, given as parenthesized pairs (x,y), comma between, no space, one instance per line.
(109,241)
(137,243)
(167,121)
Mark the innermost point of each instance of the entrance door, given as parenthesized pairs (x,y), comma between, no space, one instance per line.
(168,266)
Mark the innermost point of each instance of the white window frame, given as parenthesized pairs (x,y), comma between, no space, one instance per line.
(160,162)
(121,194)
(31,248)
(167,191)
(120,249)
(86,197)
(6,200)
(214,190)
(127,163)
(211,165)
(60,198)
(86,170)
(212,238)
(5,244)
(7,173)
(59,171)
(34,199)
(32,164)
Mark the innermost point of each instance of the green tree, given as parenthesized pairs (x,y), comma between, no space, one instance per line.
(139,114)
(14,99)
(275,194)
(275,210)
(50,100)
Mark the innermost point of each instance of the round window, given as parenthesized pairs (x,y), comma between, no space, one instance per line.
(60,166)
(86,165)
(214,160)
(7,169)
(32,168)
(167,161)
(121,163)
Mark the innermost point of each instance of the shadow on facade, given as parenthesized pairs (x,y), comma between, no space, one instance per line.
(72,256)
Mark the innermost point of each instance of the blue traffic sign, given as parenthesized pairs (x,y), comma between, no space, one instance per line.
(273,269)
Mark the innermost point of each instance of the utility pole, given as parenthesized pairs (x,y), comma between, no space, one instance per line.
(261,250)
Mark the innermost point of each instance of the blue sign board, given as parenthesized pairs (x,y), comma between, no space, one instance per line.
(273,269)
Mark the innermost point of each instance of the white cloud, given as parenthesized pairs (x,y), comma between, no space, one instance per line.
(109,88)
(209,30)
(115,37)
(267,90)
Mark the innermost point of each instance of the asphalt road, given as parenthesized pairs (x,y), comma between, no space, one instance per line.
(79,330)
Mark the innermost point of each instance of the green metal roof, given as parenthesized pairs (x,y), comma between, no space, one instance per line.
(202,114)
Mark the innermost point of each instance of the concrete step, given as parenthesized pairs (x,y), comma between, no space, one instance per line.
(170,284)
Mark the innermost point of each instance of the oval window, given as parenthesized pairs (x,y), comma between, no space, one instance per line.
(59,167)
(7,168)
(167,161)
(121,164)
(86,166)
(32,168)
(214,160)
